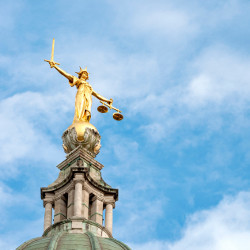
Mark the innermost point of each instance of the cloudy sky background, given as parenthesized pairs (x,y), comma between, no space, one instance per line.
(179,71)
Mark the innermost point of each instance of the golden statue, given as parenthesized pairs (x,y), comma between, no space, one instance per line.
(83,100)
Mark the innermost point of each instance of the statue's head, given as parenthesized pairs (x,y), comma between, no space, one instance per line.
(83,74)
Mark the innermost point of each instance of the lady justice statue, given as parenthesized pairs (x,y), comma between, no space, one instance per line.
(81,132)
(83,100)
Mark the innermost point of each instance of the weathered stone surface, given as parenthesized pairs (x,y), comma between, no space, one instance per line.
(77,153)
(80,191)
(86,235)
(91,140)
(79,159)
(79,197)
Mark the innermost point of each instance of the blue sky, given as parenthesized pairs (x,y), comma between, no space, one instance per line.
(179,71)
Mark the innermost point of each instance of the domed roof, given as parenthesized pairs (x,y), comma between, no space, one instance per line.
(73,241)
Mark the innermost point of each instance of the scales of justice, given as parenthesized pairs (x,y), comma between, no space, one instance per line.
(81,133)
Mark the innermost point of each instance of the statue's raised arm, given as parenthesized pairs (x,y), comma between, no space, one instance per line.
(61,71)
(53,64)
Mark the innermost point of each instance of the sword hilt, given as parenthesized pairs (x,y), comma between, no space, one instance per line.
(52,61)
(52,55)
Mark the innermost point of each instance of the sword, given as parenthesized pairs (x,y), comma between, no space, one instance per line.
(52,54)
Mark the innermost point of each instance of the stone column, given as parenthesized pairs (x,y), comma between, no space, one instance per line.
(85,204)
(60,209)
(70,206)
(48,214)
(109,217)
(78,199)
(97,211)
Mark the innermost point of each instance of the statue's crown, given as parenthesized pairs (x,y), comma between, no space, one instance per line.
(82,70)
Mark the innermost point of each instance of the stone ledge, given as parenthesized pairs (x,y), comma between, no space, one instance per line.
(79,152)
(78,225)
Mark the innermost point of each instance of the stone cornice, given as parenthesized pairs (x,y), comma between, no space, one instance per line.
(69,186)
(91,181)
(104,189)
(109,201)
(92,189)
(78,153)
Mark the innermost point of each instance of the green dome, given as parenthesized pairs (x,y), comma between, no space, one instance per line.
(73,241)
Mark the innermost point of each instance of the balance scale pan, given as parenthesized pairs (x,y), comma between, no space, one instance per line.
(118,116)
(102,109)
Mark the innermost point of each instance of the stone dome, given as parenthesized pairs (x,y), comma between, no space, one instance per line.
(73,241)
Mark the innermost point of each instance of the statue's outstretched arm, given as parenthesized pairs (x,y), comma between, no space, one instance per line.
(101,98)
(62,72)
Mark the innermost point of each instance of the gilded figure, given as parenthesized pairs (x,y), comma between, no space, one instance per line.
(83,99)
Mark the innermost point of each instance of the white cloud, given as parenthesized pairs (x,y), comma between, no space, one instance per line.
(217,76)
(162,21)
(30,71)
(155,20)
(112,72)
(12,200)
(222,75)
(25,119)
(176,23)
(137,199)
(219,83)
(139,216)
(224,227)
(8,13)
(7,198)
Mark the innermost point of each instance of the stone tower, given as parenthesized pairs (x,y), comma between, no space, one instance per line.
(80,196)
(81,201)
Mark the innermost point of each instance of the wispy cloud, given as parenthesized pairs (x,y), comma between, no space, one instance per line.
(12,201)
(26,118)
(224,227)
(219,84)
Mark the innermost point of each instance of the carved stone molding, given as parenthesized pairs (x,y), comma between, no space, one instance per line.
(45,201)
(92,190)
(79,152)
(91,141)
(60,192)
(109,200)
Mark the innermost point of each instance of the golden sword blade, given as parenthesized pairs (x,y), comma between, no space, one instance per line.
(52,50)
(52,53)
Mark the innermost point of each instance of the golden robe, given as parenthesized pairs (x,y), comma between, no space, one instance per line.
(83,100)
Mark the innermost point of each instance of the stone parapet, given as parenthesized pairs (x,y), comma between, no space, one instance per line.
(78,225)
